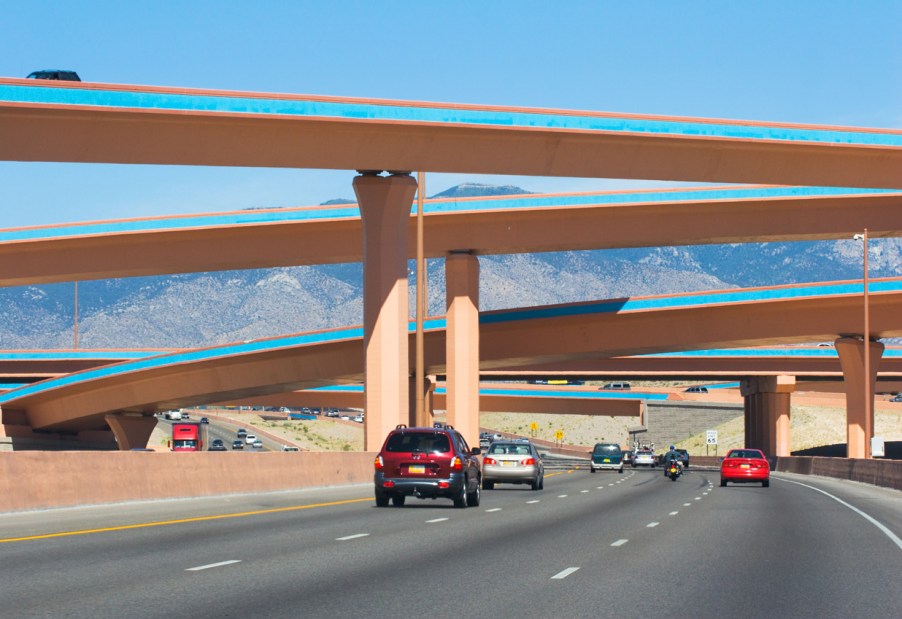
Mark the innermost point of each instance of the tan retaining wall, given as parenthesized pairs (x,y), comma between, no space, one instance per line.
(886,473)
(46,479)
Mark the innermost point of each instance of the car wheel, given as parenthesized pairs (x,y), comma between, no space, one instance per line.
(488,485)
(723,483)
(621,470)
(765,483)
(542,482)
(473,497)
(461,499)
(535,484)
(398,500)
(381,499)
(592,468)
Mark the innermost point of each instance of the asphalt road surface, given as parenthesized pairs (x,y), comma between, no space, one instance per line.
(603,545)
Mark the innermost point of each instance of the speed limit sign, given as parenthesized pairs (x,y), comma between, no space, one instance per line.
(711,437)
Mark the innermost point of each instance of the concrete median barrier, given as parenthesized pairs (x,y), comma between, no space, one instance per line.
(886,473)
(41,480)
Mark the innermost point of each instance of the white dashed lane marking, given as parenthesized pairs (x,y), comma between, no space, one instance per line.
(212,565)
(562,496)
(674,513)
(584,491)
(686,504)
(436,520)
(533,501)
(347,537)
(564,573)
(494,509)
(620,542)
(652,525)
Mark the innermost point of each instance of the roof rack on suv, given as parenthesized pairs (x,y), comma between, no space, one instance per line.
(400,426)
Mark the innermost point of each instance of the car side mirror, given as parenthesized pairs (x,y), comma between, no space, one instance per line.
(476,451)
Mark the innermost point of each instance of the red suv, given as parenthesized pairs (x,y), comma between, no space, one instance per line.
(427,463)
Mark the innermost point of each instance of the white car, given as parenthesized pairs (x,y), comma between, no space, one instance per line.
(644,458)
(249,439)
(359,418)
(257,444)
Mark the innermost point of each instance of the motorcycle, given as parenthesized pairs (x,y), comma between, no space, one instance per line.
(674,470)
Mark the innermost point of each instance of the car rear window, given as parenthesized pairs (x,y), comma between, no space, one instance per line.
(497,448)
(743,453)
(607,449)
(418,441)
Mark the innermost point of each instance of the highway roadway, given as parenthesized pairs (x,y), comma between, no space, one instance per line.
(586,546)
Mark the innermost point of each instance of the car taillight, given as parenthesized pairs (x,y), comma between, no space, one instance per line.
(443,485)
(528,461)
(457,464)
(378,463)
(388,484)
(488,460)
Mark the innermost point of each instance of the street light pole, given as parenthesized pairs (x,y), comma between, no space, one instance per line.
(868,396)
(420,372)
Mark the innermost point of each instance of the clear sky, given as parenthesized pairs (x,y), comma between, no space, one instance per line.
(809,61)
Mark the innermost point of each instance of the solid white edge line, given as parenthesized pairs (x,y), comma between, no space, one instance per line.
(895,539)
(206,567)
(564,573)
(620,542)
(347,537)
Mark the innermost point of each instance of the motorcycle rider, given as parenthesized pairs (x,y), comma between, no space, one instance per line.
(672,456)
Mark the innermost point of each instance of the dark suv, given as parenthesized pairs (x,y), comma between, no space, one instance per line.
(427,463)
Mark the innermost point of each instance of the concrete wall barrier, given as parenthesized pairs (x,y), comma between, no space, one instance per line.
(45,479)
(885,473)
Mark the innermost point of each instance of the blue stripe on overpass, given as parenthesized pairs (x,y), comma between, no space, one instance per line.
(298,215)
(120,98)
(229,350)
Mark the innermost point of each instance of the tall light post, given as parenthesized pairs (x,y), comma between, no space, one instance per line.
(420,372)
(868,398)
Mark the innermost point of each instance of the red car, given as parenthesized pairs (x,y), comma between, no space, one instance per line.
(743,466)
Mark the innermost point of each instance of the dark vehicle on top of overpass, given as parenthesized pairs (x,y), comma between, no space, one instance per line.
(54,74)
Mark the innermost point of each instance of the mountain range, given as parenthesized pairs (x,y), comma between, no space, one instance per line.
(203,309)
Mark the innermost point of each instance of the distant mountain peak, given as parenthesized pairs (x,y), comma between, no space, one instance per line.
(470,190)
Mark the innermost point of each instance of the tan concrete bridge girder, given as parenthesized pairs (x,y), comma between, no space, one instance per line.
(95,134)
(488,232)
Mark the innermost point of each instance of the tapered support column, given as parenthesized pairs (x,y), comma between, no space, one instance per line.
(132,431)
(384,210)
(768,401)
(462,290)
(859,416)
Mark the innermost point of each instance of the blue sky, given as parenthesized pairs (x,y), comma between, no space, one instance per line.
(822,62)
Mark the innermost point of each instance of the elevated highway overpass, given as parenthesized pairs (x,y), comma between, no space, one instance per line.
(482,226)
(116,123)
(137,124)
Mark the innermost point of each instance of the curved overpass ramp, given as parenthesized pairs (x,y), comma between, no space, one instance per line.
(603,329)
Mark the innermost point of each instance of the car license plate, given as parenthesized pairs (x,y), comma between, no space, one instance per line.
(416,468)
(744,466)
(508,463)
(606,460)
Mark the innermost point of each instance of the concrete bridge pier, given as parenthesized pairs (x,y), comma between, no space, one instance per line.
(768,402)
(132,430)
(385,203)
(462,296)
(859,417)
